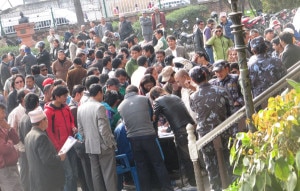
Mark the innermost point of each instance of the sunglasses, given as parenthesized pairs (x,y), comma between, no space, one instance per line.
(18,82)
(44,70)
(218,31)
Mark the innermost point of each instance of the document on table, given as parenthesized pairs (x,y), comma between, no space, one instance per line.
(68,145)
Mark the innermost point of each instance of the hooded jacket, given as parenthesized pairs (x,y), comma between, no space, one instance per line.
(60,124)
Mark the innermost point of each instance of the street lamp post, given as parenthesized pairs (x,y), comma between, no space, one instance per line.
(237,30)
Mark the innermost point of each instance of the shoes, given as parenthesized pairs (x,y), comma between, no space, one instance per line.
(188,187)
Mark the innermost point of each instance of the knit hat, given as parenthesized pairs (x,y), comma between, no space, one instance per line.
(37,115)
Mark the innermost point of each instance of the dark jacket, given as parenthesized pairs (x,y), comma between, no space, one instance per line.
(172,107)
(44,58)
(12,101)
(28,61)
(198,40)
(4,72)
(125,29)
(290,55)
(46,172)
(75,76)
(213,105)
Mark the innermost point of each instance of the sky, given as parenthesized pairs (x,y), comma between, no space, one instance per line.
(5,5)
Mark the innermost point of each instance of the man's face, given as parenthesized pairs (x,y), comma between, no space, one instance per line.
(253,35)
(61,55)
(122,79)
(160,58)
(201,25)
(92,24)
(44,71)
(2,114)
(157,35)
(112,49)
(82,28)
(29,83)
(270,36)
(211,25)
(276,47)
(102,20)
(222,73)
(218,32)
(223,19)
(146,53)
(171,43)
(134,54)
(61,99)
(180,80)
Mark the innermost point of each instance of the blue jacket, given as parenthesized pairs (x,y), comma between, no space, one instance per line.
(228,29)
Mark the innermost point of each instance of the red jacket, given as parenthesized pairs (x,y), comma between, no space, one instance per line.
(7,141)
(60,124)
(162,20)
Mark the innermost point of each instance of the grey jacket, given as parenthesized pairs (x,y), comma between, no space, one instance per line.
(146,25)
(136,113)
(94,127)
(180,50)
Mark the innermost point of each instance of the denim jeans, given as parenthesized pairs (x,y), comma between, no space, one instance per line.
(71,172)
(209,51)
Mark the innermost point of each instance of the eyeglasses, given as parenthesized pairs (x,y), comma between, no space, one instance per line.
(19,82)
(44,70)
(218,31)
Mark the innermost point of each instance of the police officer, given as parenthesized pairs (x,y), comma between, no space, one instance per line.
(213,105)
(264,71)
(229,82)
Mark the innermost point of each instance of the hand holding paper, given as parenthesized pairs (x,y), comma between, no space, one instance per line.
(68,145)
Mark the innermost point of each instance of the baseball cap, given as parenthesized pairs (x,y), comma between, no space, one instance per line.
(14,70)
(47,81)
(166,73)
(219,65)
(223,14)
(257,41)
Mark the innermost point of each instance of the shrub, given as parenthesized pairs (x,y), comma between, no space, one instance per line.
(191,12)
(269,159)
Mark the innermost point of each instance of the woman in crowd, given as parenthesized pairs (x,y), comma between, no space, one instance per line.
(147,82)
(18,82)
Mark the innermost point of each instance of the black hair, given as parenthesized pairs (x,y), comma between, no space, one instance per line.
(99,54)
(106,60)
(148,47)
(201,53)
(77,61)
(125,50)
(35,69)
(159,31)
(276,40)
(112,44)
(121,72)
(90,71)
(116,63)
(136,48)
(286,37)
(92,79)
(131,88)
(210,20)
(171,37)
(198,74)
(199,21)
(47,88)
(234,65)
(91,52)
(111,97)
(130,40)
(142,60)
(77,89)
(149,70)
(161,52)
(4,56)
(103,78)
(59,91)
(94,89)
(169,60)
(14,79)
(31,101)
(58,82)
(20,95)
(29,76)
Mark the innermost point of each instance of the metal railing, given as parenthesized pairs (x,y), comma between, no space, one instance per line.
(195,146)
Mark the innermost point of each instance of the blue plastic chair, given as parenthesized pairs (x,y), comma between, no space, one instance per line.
(123,166)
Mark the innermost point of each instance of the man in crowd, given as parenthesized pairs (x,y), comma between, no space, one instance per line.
(76,75)
(198,36)
(146,25)
(226,24)
(132,65)
(60,127)
(4,70)
(43,56)
(157,18)
(148,51)
(178,117)
(104,26)
(220,44)
(207,34)
(45,163)
(28,60)
(61,66)
(290,54)
(140,131)
(161,41)
(125,28)
(100,144)
(173,49)
(263,70)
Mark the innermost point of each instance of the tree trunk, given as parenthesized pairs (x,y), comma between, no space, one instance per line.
(79,13)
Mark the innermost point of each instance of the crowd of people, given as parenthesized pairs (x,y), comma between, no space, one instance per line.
(111,93)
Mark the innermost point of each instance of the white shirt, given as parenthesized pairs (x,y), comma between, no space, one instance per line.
(137,75)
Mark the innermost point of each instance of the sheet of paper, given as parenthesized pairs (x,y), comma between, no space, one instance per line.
(68,145)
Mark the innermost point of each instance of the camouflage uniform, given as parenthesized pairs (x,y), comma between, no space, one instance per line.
(264,72)
(212,105)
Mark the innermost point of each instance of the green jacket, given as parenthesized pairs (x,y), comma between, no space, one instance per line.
(131,66)
(220,46)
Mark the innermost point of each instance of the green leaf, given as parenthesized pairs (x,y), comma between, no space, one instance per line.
(282,170)
(291,182)
(246,161)
(294,84)
(290,157)
(261,181)
(298,160)
(232,154)
(245,187)
(252,180)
